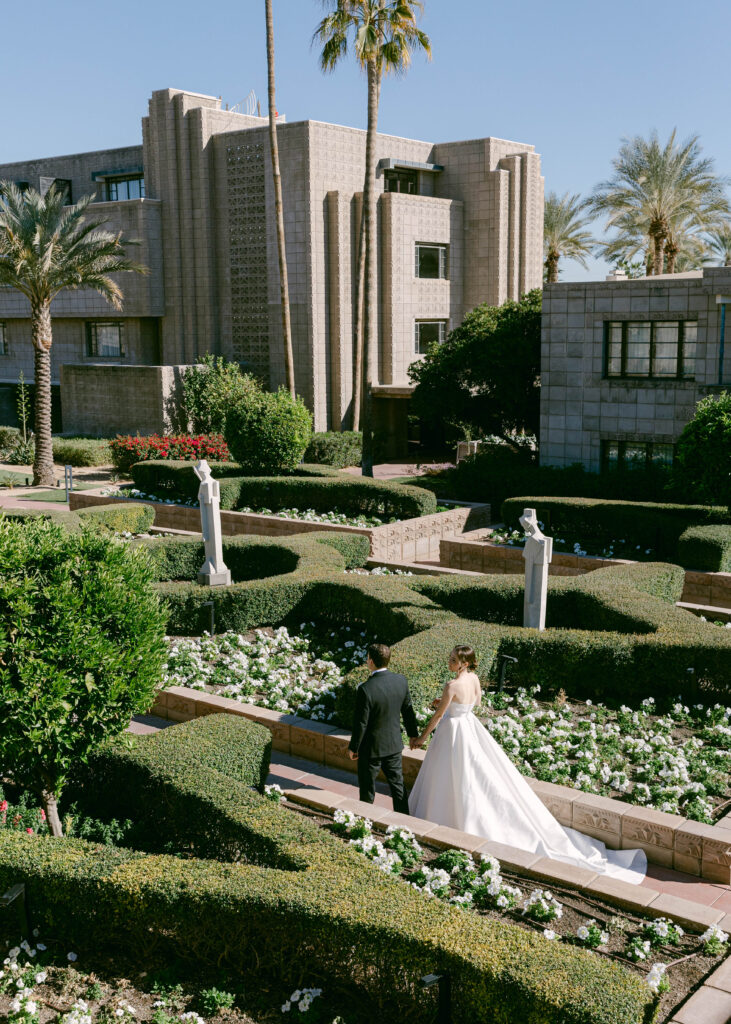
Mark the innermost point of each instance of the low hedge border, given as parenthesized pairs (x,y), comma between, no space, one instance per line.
(303,904)
(339,448)
(653,525)
(132,517)
(632,640)
(321,491)
(706,548)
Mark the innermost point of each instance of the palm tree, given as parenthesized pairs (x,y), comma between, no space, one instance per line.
(385,34)
(719,243)
(563,232)
(655,186)
(46,246)
(278,206)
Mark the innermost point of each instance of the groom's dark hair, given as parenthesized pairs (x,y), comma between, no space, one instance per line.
(380,654)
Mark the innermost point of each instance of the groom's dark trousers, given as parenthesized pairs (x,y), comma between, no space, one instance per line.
(380,704)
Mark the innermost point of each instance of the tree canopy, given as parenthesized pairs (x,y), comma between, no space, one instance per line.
(702,466)
(484,379)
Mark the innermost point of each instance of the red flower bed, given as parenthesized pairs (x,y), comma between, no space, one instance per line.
(128,450)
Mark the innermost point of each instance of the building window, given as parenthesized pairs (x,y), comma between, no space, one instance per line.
(400,181)
(635,454)
(431,261)
(428,333)
(132,187)
(657,349)
(104,340)
(3,341)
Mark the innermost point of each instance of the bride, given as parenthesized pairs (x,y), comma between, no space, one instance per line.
(468,782)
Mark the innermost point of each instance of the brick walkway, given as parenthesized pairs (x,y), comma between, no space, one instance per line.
(296,773)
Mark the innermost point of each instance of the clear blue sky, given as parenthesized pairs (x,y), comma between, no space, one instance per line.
(571,77)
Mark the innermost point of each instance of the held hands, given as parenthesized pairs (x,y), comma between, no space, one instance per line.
(416,741)
(352,755)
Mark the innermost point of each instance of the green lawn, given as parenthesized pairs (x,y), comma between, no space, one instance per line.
(57,494)
(16,479)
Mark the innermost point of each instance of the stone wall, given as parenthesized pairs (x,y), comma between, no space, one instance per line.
(101,399)
(580,406)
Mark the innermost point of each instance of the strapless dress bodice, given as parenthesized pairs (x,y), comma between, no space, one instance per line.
(458,710)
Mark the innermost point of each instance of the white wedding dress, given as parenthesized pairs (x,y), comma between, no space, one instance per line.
(468,782)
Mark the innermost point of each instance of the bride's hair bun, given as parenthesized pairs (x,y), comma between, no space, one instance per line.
(466,655)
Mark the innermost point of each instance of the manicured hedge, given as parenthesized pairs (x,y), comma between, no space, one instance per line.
(299,903)
(133,517)
(81,451)
(647,524)
(337,448)
(706,548)
(323,493)
(127,518)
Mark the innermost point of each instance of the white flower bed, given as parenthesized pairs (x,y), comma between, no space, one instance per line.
(614,549)
(676,762)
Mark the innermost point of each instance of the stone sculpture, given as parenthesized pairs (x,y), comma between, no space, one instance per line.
(537,553)
(213,572)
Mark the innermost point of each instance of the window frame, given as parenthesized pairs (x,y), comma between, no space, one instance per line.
(680,374)
(649,447)
(3,338)
(443,250)
(91,328)
(399,175)
(417,340)
(114,180)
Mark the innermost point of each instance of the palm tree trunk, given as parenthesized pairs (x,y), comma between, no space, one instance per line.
(358,326)
(369,291)
(658,256)
(552,266)
(42,340)
(671,254)
(279,208)
(51,808)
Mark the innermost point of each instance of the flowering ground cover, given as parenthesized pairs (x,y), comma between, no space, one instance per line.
(676,760)
(670,961)
(42,985)
(621,548)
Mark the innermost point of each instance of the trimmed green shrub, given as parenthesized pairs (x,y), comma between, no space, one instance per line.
(8,439)
(118,518)
(81,451)
(81,648)
(322,492)
(337,448)
(210,389)
(646,524)
(298,900)
(706,548)
(269,432)
(355,548)
(248,558)
(702,465)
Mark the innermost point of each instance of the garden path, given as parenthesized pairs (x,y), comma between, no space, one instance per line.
(296,773)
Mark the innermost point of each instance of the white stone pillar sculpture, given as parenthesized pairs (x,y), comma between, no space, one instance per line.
(213,572)
(538,552)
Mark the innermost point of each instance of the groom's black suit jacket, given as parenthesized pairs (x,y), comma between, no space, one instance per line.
(380,703)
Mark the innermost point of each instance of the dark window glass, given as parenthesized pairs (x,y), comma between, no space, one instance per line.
(665,354)
(64,185)
(690,337)
(656,349)
(428,332)
(637,362)
(104,340)
(125,188)
(635,454)
(431,261)
(400,181)
(3,343)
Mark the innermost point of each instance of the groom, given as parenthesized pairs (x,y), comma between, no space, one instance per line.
(380,703)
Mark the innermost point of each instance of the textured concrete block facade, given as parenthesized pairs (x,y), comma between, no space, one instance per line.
(208,233)
(583,407)
(106,399)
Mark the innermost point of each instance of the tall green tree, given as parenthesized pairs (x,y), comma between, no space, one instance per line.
(279,206)
(384,36)
(485,378)
(46,246)
(564,232)
(655,186)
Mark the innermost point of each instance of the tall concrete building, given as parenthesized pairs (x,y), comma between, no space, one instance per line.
(458,224)
(624,364)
